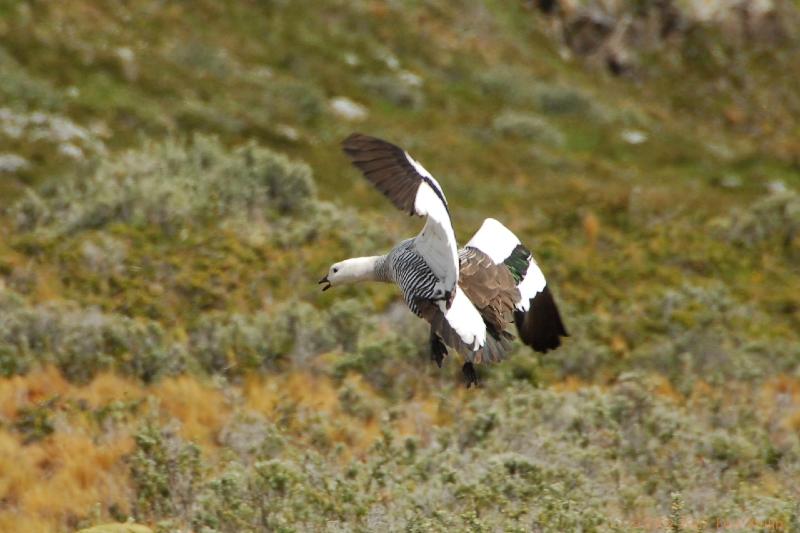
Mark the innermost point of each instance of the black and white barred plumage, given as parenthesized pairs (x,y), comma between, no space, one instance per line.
(406,267)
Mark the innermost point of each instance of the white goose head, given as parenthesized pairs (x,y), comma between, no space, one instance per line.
(350,271)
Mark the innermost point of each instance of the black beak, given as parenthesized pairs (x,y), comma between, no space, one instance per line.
(325,280)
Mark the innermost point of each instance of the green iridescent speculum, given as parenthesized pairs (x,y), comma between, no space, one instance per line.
(518,262)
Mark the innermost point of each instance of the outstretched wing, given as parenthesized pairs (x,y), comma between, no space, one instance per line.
(535,312)
(411,188)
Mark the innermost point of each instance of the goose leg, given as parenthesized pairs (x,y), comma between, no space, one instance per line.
(470,375)
(438,349)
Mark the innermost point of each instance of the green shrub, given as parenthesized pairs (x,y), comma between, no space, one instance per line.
(529,459)
(237,343)
(519,88)
(512,85)
(36,421)
(17,86)
(165,472)
(294,101)
(395,90)
(561,100)
(528,127)
(202,59)
(82,342)
(705,331)
(773,218)
(172,185)
(250,434)
(226,503)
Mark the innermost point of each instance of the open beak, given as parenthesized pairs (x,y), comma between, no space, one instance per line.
(325,280)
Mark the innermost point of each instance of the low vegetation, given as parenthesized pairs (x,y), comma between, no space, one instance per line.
(173,188)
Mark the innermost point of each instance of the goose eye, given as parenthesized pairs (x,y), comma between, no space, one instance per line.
(335,270)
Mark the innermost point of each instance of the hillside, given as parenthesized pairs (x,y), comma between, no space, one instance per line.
(173,187)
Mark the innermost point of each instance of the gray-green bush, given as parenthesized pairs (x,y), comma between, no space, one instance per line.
(527,126)
(772,218)
(172,185)
(531,460)
(82,341)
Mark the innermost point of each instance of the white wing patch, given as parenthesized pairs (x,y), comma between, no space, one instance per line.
(424,173)
(495,240)
(437,240)
(465,320)
(532,284)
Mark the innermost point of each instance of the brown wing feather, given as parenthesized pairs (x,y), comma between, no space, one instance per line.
(490,287)
(386,167)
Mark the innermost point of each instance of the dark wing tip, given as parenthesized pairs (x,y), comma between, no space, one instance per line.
(359,142)
(354,138)
(541,326)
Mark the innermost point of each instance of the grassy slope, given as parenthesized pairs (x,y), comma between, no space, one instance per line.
(668,259)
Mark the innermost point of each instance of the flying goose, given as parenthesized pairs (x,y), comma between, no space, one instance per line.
(469,296)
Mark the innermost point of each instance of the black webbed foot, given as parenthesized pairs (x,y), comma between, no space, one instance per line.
(470,375)
(438,349)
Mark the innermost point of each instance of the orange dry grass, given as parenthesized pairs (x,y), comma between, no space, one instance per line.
(50,484)
(107,388)
(591,227)
(300,398)
(14,522)
(297,388)
(780,401)
(21,391)
(664,388)
(59,479)
(75,473)
(201,409)
(42,384)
